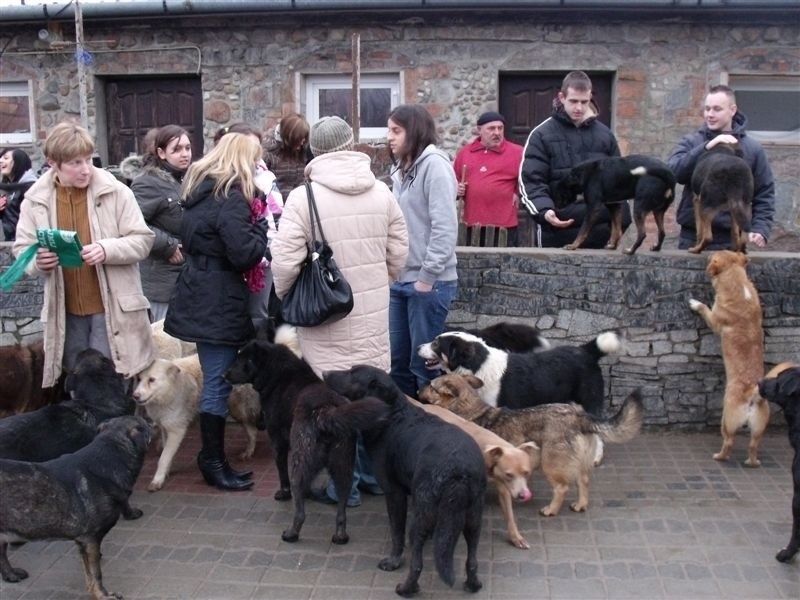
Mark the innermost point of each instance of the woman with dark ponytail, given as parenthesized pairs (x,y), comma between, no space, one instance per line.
(158,191)
(16,176)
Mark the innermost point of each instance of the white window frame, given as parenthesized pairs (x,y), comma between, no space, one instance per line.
(315,83)
(765,83)
(19,88)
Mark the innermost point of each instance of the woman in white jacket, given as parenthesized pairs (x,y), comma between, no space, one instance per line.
(366,230)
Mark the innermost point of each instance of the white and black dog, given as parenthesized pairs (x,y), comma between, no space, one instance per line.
(516,380)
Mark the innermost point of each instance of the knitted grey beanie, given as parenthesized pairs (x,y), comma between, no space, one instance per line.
(330,134)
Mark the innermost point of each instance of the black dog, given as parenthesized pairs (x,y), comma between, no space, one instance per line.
(560,374)
(442,469)
(97,394)
(309,426)
(784,390)
(611,181)
(75,497)
(511,337)
(722,180)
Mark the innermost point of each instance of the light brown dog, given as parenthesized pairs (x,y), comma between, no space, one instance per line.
(736,318)
(566,433)
(507,467)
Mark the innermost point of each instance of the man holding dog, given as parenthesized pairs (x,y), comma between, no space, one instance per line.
(723,124)
(487,172)
(570,136)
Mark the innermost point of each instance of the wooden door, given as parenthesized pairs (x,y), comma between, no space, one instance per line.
(526,99)
(136,105)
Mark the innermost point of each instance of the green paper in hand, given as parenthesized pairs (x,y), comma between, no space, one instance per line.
(64,243)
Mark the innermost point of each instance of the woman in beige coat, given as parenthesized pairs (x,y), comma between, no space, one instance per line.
(100,304)
(365,228)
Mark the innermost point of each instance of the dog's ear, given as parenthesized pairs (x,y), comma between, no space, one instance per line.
(458,353)
(789,383)
(715,265)
(474,382)
(741,259)
(534,451)
(491,455)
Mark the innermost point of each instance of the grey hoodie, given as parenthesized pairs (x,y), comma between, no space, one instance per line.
(427,196)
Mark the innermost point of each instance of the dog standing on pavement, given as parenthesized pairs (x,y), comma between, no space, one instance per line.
(78,496)
(566,433)
(736,318)
(608,182)
(782,386)
(560,374)
(436,464)
(722,181)
(508,467)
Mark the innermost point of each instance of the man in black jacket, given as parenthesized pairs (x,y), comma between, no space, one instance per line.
(570,136)
(723,124)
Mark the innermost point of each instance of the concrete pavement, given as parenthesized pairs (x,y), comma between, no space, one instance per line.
(665,521)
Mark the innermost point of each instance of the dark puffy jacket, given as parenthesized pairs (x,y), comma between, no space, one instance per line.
(220,242)
(552,149)
(158,194)
(683,161)
(15,193)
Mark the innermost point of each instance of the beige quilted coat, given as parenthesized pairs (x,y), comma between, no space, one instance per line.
(366,230)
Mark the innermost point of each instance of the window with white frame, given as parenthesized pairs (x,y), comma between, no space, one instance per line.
(771,105)
(329,95)
(16,112)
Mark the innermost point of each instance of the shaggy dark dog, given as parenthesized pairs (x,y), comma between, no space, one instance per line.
(611,181)
(97,394)
(722,180)
(511,337)
(309,426)
(561,374)
(782,386)
(75,497)
(435,463)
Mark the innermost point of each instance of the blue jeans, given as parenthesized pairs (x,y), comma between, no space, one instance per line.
(414,319)
(215,359)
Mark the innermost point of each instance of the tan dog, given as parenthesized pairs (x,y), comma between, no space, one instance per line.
(507,467)
(566,433)
(736,318)
(169,392)
(167,346)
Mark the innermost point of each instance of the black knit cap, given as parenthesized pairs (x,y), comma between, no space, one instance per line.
(490,116)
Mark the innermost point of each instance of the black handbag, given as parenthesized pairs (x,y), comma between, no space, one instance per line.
(320,294)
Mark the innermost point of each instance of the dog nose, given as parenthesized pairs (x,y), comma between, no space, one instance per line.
(525,495)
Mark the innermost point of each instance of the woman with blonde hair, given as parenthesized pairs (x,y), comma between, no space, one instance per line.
(210,303)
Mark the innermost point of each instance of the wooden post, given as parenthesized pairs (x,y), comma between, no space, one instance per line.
(79,58)
(356,108)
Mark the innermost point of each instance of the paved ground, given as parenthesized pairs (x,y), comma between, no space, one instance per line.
(665,521)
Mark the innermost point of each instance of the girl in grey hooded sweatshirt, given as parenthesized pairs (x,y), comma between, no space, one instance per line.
(425,186)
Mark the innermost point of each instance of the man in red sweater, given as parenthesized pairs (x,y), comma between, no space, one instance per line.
(487,171)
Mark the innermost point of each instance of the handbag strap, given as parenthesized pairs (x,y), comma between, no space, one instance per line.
(314,215)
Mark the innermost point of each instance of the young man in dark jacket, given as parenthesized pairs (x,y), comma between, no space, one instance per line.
(723,124)
(570,136)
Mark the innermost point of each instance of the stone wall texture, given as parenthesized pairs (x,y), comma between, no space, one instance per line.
(572,297)
(252,69)
(668,352)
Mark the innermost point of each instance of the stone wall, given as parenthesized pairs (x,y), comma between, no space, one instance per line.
(669,352)
(252,68)
(572,297)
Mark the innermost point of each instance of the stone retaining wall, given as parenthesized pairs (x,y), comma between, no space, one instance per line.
(669,352)
(572,297)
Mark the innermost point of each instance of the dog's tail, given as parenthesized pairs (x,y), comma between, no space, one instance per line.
(623,426)
(286,335)
(348,418)
(605,343)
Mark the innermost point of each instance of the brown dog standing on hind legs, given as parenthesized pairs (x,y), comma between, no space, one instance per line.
(736,318)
